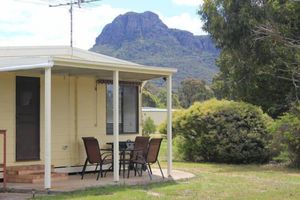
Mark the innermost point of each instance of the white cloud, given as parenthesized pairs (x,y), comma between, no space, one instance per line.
(90,22)
(188,2)
(24,23)
(185,21)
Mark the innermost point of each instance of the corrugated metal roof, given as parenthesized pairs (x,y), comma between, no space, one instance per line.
(12,56)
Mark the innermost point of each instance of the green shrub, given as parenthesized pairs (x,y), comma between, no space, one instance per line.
(286,134)
(148,126)
(162,128)
(223,131)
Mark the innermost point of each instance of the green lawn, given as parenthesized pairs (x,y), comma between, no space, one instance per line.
(212,181)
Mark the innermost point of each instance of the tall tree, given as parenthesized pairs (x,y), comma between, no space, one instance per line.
(252,69)
(192,90)
(282,26)
(162,96)
(154,96)
(150,100)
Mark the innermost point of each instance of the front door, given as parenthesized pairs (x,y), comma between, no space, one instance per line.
(27,118)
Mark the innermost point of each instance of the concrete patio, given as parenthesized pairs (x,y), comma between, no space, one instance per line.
(75,183)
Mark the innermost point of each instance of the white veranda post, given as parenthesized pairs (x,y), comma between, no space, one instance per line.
(116,124)
(169,123)
(47,128)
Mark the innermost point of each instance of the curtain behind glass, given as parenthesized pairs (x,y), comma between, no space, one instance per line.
(130,106)
(109,109)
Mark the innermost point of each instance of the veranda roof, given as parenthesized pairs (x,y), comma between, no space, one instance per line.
(74,61)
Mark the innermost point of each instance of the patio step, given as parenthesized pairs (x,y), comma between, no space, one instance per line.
(31,174)
(35,178)
(25,167)
(28,169)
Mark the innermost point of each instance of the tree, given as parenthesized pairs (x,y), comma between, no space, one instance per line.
(162,96)
(192,90)
(251,69)
(154,96)
(150,100)
(284,31)
(148,126)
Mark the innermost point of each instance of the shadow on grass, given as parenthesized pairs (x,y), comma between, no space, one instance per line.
(226,168)
(106,190)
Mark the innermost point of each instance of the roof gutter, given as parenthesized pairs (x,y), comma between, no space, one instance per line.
(113,66)
(27,67)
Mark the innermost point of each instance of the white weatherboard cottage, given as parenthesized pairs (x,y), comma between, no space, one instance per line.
(52,96)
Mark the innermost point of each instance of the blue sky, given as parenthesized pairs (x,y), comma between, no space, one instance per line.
(167,7)
(32,22)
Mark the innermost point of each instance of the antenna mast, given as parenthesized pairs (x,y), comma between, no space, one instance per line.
(71,3)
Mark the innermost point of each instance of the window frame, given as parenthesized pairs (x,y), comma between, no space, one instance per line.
(121,125)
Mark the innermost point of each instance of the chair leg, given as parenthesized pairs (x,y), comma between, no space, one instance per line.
(160,169)
(135,169)
(141,170)
(134,166)
(96,168)
(129,169)
(148,171)
(83,169)
(124,165)
(110,168)
(100,172)
(150,168)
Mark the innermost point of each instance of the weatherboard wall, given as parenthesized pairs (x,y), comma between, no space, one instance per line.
(78,110)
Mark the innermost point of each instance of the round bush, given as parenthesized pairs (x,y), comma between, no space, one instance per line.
(223,131)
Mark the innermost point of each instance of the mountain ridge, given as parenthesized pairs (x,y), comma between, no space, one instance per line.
(143,38)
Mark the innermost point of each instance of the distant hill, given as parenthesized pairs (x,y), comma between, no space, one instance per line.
(143,38)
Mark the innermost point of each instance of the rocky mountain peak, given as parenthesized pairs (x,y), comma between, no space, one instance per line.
(131,26)
(143,38)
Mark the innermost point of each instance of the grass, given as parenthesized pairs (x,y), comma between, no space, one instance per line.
(212,181)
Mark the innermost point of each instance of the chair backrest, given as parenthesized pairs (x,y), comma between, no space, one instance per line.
(92,149)
(122,145)
(153,150)
(129,145)
(141,143)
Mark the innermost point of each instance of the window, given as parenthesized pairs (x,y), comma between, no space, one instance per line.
(128,109)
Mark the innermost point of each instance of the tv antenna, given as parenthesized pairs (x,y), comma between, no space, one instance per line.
(71,10)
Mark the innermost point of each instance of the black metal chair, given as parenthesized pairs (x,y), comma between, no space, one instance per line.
(147,160)
(94,155)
